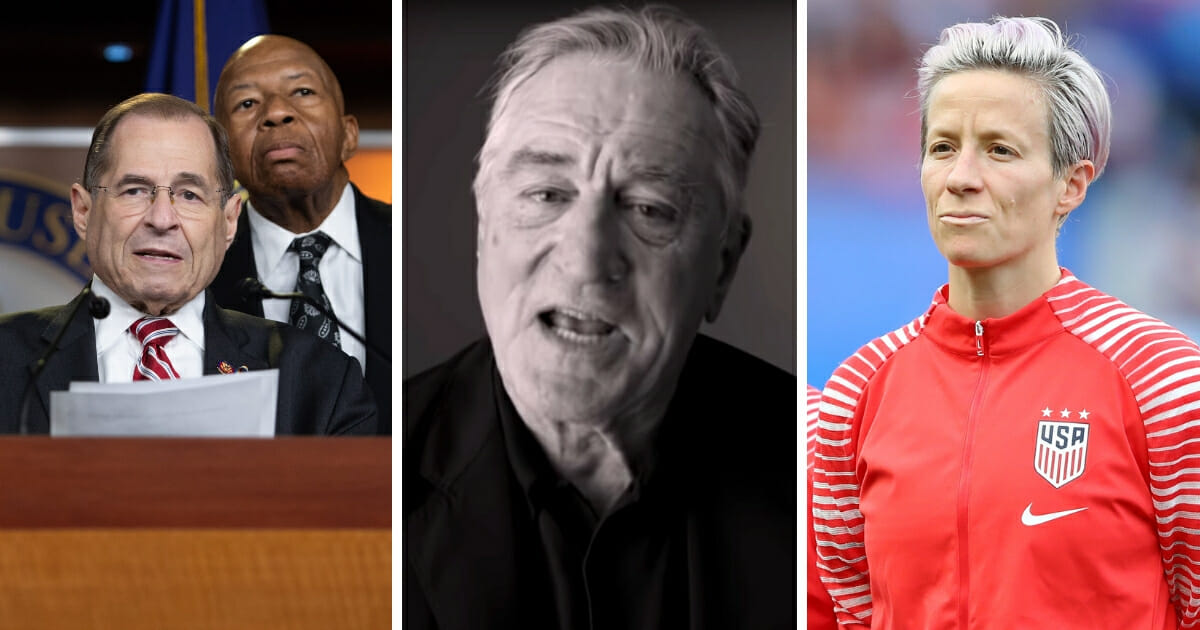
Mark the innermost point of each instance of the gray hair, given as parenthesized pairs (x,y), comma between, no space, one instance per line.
(1079,112)
(657,38)
(167,107)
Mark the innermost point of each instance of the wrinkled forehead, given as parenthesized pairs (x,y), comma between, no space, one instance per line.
(148,144)
(1000,86)
(274,58)
(585,98)
(608,88)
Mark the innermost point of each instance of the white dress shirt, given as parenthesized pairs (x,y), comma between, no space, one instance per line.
(118,350)
(340,268)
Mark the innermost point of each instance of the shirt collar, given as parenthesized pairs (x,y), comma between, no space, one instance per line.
(528,463)
(188,319)
(998,336)
(273,240)
(532,468)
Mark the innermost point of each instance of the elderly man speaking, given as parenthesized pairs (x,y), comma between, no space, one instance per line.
(595,463)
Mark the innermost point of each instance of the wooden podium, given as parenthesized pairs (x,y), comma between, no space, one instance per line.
(140,533)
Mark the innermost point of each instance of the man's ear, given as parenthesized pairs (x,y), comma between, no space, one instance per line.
(481,228)
(731,253)
(480,216)
(81,206)
(1077,180)
(231,212)
(350,136)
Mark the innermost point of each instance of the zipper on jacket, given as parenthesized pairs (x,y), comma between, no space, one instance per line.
(964,479)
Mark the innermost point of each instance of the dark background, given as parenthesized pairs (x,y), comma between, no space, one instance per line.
(54,72)
(449,50)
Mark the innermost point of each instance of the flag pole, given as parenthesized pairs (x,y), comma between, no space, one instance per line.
(200,39)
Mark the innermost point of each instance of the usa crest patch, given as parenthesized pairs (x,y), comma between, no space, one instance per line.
(1061,453)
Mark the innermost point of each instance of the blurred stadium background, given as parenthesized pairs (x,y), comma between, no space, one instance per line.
(871,265)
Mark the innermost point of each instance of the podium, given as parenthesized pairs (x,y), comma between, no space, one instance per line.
(139,533)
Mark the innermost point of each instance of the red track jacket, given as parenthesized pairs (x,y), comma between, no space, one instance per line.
(1040,470)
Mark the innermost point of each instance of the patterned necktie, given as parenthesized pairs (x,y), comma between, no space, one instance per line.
(311,248)
(154,333)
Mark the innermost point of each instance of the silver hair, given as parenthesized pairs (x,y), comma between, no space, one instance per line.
(1079,111)
(657,38)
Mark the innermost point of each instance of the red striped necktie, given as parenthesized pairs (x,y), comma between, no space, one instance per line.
(154,333)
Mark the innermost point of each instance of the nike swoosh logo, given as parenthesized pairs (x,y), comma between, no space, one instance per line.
(1031,519)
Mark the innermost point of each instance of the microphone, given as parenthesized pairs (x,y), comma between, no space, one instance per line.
(98,307)
(254,288)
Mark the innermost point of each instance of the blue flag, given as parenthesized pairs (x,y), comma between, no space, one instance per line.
(187,54)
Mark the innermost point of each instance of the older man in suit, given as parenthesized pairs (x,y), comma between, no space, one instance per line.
(290,136)
(157,213)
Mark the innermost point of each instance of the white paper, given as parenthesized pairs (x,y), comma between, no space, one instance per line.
(217,405)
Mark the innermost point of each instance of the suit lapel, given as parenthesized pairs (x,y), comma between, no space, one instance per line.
(225,344)
(375,237)
(463,540)
(238,264)
(74,361)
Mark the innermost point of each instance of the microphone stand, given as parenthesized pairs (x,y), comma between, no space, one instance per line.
(253,287)
(99,309)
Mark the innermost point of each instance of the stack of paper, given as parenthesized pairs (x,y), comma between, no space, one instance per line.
(217,405)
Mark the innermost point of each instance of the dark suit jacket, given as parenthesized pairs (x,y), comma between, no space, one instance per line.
(321,390)
(374,235)
(470,556)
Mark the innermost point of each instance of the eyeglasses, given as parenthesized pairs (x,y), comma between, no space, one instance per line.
(139,196)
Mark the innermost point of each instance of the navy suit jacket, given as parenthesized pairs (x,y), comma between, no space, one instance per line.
(374,235)
(469,553)
(321,390)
